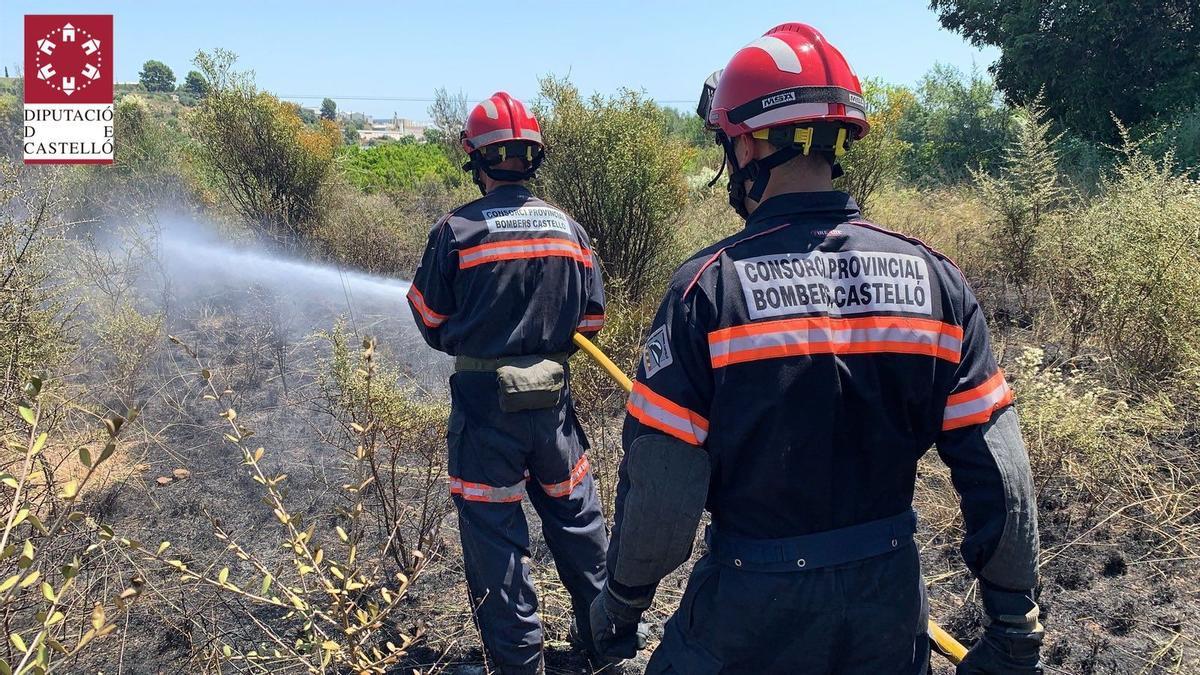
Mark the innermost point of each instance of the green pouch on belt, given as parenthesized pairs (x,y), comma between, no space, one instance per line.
(530,383)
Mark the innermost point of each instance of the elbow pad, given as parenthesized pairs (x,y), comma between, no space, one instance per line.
(668,485)
(1014,563)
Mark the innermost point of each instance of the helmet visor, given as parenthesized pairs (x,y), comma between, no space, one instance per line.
(706,98)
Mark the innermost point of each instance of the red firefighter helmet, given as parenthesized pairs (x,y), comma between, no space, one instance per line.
(789,76)
(500,119)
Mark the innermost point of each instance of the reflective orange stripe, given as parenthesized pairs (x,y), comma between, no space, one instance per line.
(977,404)
(829,335)
(665,415)
(479,492)
(517,249)
(564,488)
(591,322)
(429,317)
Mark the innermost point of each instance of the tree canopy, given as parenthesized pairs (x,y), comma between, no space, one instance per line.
(1093,58)
(157,76)
(195,84)
(328,109)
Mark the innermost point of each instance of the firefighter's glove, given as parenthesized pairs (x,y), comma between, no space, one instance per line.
(1012,641)
(1004,651)
(617,631)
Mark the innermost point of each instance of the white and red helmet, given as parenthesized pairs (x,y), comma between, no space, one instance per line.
(500,119)
(789,76)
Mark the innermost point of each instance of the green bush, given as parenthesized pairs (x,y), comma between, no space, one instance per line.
(395,166)
(611,165)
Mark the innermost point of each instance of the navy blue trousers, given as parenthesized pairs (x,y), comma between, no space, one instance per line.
(868,616)
(496,459)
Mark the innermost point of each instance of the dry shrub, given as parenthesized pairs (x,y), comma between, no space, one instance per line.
(1127,261)
(1077,429)
(370,233)
(333,605)
(33,300)
(395,437)
(257,152)
(1024,196)
(951,220)
(53,599)
(383,234)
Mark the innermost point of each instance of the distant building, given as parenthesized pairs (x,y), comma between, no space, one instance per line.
(392,129)
(353,117)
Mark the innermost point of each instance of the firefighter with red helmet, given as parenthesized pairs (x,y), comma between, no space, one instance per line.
(504,283)
(793,377)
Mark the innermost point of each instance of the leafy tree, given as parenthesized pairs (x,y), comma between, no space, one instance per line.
(328,109)
(958,124)
(157,76)
(307,116)
(612,167)
(877,160)
(258,154)
(1094,58)
(687,126)
(195,84)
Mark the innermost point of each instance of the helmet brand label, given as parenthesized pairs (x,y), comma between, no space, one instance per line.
(526,219)
(834,284)
(777,99)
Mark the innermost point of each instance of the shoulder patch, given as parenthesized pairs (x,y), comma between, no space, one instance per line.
(657,353)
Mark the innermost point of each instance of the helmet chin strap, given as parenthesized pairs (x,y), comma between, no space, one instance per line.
(478,165)
(757,171)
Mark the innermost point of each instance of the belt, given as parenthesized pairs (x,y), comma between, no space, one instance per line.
(478,365)
(812,551)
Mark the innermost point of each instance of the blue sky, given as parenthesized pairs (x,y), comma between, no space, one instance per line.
(406,50)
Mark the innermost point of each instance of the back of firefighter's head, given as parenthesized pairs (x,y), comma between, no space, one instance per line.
(784,109)
(503,142)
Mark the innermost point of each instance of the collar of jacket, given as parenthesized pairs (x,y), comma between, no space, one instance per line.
(510,188)
(832,205)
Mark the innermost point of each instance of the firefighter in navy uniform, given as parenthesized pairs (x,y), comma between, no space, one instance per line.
(792,378)
(504,283)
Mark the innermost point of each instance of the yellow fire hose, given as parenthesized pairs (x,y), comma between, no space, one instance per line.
(943,642)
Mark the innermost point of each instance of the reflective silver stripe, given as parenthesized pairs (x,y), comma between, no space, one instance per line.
(430,317)
(490,108)
(531,135)
(492,137)
(836,336)
(781,53)
(687,431)
(566,247)
(591,323)
(984,402)
(799,110)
